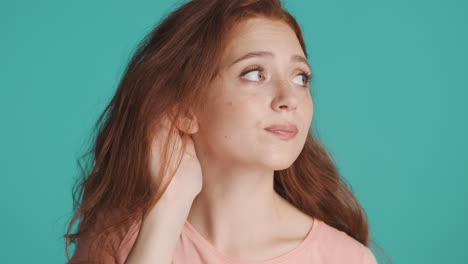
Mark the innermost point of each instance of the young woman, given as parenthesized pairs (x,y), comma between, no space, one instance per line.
(205,153)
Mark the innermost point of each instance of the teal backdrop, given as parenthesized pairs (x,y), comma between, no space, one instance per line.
(390,96)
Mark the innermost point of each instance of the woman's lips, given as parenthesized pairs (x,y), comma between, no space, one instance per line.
(283,131)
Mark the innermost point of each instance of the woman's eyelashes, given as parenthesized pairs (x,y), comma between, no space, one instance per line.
(257,71)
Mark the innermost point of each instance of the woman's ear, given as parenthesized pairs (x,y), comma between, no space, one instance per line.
(187,123)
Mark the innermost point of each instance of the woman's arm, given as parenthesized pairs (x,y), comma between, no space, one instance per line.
(160,232)
(150,241)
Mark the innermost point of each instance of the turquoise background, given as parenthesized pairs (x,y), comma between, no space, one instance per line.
(390,105)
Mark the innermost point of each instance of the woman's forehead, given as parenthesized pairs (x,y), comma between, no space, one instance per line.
(257,30)
(259,34)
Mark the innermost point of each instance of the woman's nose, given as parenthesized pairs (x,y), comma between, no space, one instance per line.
(285,97)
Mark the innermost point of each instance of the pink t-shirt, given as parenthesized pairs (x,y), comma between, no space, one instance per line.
(323,244)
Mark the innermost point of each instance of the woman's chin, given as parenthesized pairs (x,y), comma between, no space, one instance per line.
(280,163)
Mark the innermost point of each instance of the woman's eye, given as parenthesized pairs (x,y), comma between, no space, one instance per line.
(302,78)
(254,74)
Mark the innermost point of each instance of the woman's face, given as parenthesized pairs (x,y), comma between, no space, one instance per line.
(253,93)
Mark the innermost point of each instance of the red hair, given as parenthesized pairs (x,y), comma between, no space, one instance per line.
(164,77)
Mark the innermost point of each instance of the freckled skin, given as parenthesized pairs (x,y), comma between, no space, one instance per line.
(238,157)
(238,108)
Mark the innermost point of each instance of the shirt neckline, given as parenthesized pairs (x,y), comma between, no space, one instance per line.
(197,237)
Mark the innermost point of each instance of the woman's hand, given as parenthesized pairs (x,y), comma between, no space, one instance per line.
(187,181)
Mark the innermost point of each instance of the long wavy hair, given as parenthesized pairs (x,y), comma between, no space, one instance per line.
(167,76)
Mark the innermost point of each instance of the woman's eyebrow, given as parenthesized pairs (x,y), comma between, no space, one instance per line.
(294,58)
